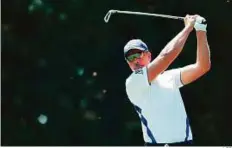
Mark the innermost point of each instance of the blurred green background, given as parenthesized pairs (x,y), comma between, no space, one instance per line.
(63,72)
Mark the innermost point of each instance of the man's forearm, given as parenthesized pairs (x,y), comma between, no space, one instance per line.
(171,50)
(168,54)
(174,47)
(203,51)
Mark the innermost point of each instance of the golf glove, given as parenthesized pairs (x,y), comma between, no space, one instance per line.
(200,24)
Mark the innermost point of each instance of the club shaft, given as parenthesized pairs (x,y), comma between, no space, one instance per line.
(150,14)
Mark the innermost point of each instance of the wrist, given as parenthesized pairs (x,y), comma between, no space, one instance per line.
(201,34)
(188,28)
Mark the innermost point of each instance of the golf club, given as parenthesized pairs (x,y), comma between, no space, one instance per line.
(108,15)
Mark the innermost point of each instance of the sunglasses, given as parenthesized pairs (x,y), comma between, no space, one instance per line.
(134,56)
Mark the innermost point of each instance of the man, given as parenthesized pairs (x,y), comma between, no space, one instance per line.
(155,93)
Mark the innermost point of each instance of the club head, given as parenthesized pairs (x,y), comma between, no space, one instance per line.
(108,15)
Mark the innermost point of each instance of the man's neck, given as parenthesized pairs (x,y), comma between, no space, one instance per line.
(138,66)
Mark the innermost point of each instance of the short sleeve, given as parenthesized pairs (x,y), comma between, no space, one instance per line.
(137,82)
(175,75)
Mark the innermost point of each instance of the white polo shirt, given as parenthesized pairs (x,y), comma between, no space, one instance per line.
(159,106)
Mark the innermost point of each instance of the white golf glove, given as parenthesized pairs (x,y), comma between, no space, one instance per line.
(200,24)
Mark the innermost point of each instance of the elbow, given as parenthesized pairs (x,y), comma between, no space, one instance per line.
(206,67)
(209,66)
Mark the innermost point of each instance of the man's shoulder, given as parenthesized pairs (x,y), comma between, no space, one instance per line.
(128,79)
(138,78)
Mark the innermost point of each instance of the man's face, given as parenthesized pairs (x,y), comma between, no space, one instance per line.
(137,57)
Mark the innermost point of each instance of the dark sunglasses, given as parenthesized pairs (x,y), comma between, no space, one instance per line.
(134,56)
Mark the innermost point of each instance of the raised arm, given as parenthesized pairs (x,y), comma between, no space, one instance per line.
(192,72)
(171,50)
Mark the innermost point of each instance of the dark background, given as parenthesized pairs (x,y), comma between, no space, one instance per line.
(51,49)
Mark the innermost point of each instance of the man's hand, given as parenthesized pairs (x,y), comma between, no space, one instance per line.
(200,24)
(189,21)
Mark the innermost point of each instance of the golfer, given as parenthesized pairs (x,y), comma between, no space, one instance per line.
(154,91)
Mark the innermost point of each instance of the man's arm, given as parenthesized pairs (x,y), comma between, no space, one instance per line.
(202,65)
(171,50)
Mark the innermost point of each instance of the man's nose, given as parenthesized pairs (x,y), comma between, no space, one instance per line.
(136,61)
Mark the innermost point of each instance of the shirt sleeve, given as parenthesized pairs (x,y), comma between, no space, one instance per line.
(136,83)
(175,75)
